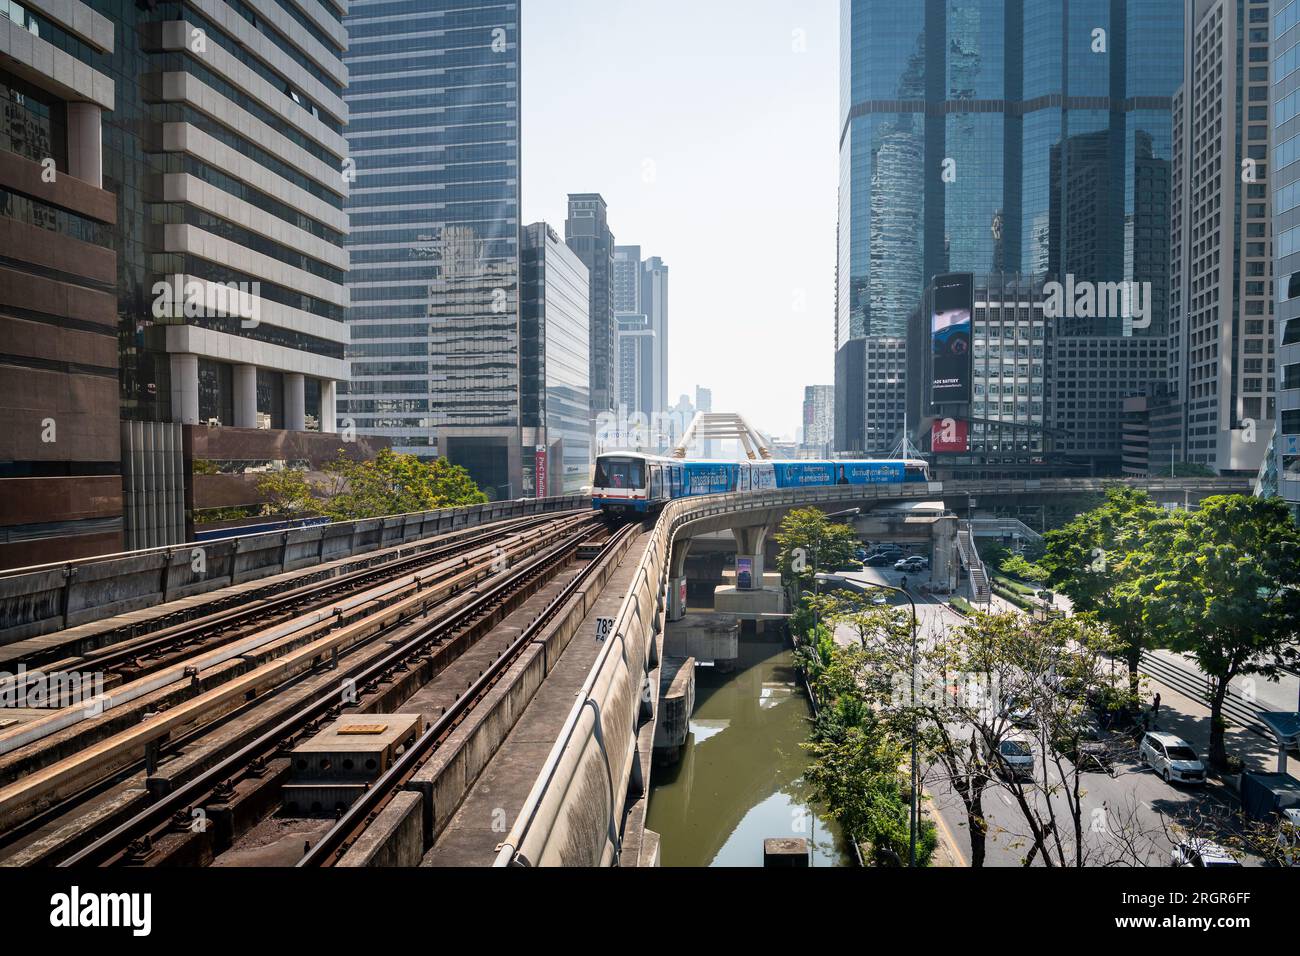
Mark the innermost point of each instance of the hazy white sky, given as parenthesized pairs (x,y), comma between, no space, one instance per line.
(710,127)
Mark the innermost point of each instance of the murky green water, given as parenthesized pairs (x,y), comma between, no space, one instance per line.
(739,780)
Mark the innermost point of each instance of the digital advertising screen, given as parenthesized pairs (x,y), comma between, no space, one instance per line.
(950,336)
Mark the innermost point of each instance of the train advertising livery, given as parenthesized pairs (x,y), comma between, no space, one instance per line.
(798,474)
(950,330)
(710,477)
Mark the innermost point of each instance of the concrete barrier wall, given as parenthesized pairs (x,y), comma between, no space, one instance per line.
(49,598)
(572,815)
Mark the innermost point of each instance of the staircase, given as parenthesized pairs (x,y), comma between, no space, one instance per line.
(1236,710)
(981,593)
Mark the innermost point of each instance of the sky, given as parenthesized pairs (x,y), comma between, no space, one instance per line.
(710,127)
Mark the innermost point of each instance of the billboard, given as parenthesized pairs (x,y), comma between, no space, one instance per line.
(950,435)
(950,338)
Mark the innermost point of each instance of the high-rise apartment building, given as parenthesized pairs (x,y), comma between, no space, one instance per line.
(586,231)
(1221,332)
(434,142)
(1284,174)
(1028,137)
(554,365)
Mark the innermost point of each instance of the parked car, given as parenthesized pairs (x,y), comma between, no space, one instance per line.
(1195,851)
(860,554)
(879,560)
(879,599)
(1019,712)
(910,565)
(1014,758)
(1171,757)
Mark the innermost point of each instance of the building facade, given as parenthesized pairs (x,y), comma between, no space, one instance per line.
(60,456)
(434,145)
(1221,361)
(1000,136)
(555,366)
(587,233)
(1284,174)
(818,418)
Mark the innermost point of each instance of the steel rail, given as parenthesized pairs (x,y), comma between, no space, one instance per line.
(322,702)
(334,843)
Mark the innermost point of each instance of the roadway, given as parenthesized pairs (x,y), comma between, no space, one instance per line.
(1132,801)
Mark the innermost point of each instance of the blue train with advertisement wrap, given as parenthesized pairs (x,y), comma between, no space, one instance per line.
(629,483)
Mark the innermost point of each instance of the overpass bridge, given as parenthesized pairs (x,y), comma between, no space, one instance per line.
(587,805)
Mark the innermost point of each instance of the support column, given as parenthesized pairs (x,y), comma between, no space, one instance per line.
(329,422)
(86,143)
(677,580)
(750,544)
(185,388)
(245,396)
(295,402)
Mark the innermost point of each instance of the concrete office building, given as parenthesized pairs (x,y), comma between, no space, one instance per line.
(434,97)
(555,366)
(1284,174)
(60,484)
(1221,335)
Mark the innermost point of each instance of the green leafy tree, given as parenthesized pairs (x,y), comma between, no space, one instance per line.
(1227,591)
(810,542)
(1018,567)
(1097,559)
(391,484)
(288,494)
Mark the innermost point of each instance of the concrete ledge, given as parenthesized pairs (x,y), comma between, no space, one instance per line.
(676,704)
(396,838)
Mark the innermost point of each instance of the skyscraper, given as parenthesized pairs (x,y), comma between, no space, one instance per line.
(1284,169)
(640,303)
(554,365)
(818,418)
(586,231)
(991,136)
(1221,340)
(434,136)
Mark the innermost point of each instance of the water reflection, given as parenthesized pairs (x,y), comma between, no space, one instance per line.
(739,780)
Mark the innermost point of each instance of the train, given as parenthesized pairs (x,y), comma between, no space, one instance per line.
(632,483)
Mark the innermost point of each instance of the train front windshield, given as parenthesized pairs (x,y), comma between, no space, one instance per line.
(620,473)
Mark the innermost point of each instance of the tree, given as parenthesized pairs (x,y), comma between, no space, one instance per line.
(856,763)
(392,484)
(1097,559)
(288,494)
(1227,591)
(810,542)
(1017,566)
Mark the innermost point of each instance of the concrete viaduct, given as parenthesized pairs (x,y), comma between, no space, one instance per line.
(587,806)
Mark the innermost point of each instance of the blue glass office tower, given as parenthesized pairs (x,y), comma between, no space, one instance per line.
(434,134)
(988,136)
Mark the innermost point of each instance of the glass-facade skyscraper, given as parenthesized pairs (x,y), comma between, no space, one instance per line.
(434,101)
(1284,174)
(986,136)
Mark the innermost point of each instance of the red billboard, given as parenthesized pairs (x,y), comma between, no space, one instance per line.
(539,471)
(950,435)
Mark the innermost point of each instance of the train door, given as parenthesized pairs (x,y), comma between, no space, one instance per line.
(656,483)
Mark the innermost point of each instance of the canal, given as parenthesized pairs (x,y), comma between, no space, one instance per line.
(739,780)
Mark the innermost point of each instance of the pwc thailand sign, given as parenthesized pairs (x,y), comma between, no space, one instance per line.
(951,435)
